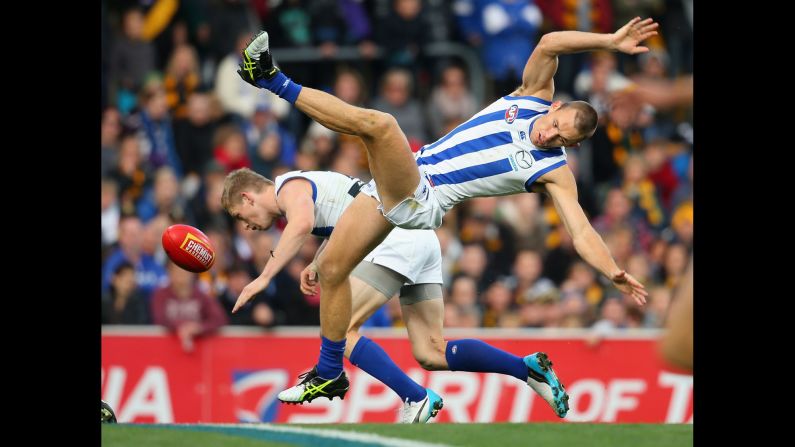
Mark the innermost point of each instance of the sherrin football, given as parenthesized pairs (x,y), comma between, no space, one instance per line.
(189,248)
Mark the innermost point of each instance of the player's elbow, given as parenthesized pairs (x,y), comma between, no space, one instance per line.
(305,227)
(547,43)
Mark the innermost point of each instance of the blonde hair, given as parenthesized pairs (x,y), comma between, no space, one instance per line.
(237,181)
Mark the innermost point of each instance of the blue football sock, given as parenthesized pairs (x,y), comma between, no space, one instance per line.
(282,86)
(478,356)
(368,356)
(329,366)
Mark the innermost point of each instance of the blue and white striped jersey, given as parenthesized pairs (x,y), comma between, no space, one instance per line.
(490,154)
(329,192)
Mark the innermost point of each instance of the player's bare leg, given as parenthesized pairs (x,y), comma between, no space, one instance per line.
(424,321)
(419,404)
(359,230)
(365,301)
(392,163)
(391,160)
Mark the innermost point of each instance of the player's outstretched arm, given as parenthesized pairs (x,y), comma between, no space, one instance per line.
(562,187)
(543,63)
(296,197)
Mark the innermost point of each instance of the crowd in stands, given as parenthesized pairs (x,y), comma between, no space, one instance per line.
(176,118)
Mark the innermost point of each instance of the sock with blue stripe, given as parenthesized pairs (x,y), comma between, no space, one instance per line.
(370,358)
(282,86)
(478,356)
(329,366)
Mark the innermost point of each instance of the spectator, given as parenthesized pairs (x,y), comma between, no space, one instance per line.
(396,99)
(193,135)
(152,240)
(216,280)
(181,79)
(684,192)
(462,309)
(598,82)
(132,58)
(110,212)
(574,310)
(659,299)
(163,198)
(227,20)
(124,302)
(675,264)
(583,281)
(237,97)
(403,33)
(620,243)
(269,143)
(682,223)
(451,102)
(618,213)
(153,124)
(613,318)
(617,136)
(229,148)
(527,273)
(644,143)
(661,172)
(594,16)
(258,314)
(524,215)
(473,264)
(505,32)
(206,209)
(111,132)
(184,309)
(130,174)
(642,192)
(498,302)
(148,273)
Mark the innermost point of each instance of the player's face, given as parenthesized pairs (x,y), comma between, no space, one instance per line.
(556,129)
(255,217)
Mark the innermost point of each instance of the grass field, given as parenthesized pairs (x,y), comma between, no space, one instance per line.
(357,435)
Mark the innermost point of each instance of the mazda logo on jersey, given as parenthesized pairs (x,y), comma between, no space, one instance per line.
(511,114)
(524,159)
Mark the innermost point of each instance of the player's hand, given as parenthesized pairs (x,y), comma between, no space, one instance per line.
(627,38)
(253,288)
(309,279)
(630,286)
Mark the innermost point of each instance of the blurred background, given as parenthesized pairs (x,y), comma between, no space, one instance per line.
(176,118)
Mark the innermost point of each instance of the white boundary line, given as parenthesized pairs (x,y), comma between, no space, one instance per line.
(325,433)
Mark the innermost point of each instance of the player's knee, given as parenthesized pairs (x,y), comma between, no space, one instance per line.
(431,356)
(378,123)
(330,273)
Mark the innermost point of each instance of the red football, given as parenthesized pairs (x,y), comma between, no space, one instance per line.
(189,248)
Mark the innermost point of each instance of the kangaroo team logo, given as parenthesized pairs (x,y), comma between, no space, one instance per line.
(511,114)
